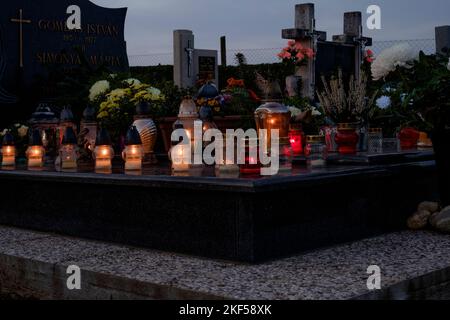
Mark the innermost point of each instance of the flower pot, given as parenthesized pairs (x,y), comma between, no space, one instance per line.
(409,138)
(441,143)
(347,139)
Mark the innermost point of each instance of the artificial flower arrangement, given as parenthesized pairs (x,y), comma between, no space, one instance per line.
(238,99)
(116,100)
(423,83)
(295,54)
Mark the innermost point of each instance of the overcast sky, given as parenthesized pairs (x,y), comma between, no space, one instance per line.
(258,23)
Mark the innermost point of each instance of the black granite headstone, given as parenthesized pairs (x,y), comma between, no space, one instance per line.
(34,40)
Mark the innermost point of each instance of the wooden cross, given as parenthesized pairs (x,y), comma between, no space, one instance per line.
(21,21)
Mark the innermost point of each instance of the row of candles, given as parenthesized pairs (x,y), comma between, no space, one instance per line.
(68,154)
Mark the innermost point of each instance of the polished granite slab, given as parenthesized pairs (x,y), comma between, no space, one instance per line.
(249,219)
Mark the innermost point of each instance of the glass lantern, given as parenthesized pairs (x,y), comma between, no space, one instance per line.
(104,152)
(296,139)
(187,116)
(134,151)
(35,152)
(273,116)
(89,127)
(227,164)
(68,150)
(252,164)
(8,151)
(316,151)
(375,140)
(66,120)
(181,153)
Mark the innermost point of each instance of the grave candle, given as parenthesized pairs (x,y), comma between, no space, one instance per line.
(180,155)
(68,152)
(103,152)
(88,126)
(8,151)
(35,152)
(296,140)
(133,152)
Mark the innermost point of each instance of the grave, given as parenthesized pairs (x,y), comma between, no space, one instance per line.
(191,64)
(345,51)
(241,219)
(35,41)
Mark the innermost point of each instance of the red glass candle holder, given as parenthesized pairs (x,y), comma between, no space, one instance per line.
(347,139)
(252,165)
(409,138)
(296,141)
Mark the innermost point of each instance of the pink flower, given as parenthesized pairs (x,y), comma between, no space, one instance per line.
(300,56)
(298,46)
(309,52)
(291,43)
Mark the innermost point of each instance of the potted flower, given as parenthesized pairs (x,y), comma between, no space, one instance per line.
(293,56)
(116,99)
(348,107)
(425,82)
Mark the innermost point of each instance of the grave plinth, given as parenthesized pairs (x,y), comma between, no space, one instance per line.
(249,220)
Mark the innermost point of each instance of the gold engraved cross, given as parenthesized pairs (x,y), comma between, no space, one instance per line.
(21,21)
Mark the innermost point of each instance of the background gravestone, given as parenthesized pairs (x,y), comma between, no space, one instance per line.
(190,64)
(34,41)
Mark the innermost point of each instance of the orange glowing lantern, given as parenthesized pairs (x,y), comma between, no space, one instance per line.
(35,152)
(8,151)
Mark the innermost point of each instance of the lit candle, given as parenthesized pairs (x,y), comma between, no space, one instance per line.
(180,155)
(134,151)
(35,156)
(35,152)
(8,151)
(104,153)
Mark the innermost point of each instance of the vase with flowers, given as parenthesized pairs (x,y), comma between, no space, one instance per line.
(348,107)
(293,56)
(424,82)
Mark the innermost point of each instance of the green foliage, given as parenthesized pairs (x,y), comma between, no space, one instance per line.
(419,94)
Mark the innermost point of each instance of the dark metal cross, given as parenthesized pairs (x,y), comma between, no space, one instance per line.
(21,21)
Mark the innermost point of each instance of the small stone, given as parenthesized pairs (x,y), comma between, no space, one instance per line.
(433,219)
(442,220)
(428,206)
(419,220)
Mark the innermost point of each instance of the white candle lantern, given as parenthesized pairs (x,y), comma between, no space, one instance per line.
(8,151)
(35,152)
(104,153)
(134,152)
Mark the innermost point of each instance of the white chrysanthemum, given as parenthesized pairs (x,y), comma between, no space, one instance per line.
(132,82)
(98,88)
(389,59)
(22,131)
(295,111)
(154,91)
(5,131)
(384,102)
(315,112)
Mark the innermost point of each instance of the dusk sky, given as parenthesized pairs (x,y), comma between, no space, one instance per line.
(258,23)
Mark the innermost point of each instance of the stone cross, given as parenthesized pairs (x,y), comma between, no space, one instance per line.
(20,21)
(353,36)
(305,32)
(442,39)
